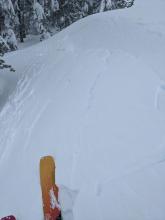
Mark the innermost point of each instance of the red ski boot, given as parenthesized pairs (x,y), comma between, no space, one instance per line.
(10,217)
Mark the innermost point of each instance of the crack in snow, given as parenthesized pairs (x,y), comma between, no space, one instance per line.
(92,89)
(160,98)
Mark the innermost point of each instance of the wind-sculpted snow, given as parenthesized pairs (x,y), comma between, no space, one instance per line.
(93,97)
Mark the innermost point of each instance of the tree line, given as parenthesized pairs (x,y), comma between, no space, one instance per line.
(20,18)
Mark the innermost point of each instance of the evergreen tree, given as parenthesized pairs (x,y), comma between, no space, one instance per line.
(106,5)
(7,23)
(96,6)
(122,3)
(64,20)
(40,21)
(129,3)
(21,17)
(50,8)
(4,48)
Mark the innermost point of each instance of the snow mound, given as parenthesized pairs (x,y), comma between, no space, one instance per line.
(92,97)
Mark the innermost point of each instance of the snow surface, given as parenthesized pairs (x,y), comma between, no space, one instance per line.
(93,96)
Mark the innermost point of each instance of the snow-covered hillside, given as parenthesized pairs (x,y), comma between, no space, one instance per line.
(93,96)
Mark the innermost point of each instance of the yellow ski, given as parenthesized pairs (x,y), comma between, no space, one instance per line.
(51,207)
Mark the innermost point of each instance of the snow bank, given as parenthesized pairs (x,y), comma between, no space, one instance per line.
(93,97)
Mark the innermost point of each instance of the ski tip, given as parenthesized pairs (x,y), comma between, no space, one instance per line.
(47,160)
(48,157)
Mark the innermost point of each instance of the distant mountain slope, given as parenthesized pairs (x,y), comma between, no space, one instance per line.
(93,97)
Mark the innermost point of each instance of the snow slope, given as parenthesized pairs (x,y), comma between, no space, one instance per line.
(93,96)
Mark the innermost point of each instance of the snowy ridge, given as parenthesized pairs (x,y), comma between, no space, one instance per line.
(93,97)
